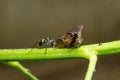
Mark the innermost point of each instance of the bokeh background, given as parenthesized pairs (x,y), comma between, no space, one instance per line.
(23,22)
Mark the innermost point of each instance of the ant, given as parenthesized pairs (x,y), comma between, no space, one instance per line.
(68,40)
(45,43)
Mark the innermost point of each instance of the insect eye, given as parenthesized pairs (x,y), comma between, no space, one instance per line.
(40,43)
(69,35)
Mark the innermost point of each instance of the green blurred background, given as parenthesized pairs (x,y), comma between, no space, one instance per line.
(23,22)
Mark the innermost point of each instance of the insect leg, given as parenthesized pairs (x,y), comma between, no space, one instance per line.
(34,45)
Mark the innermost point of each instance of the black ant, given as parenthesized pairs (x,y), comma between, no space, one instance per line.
(45,43)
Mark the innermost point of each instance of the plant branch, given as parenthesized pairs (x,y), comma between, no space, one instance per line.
(92,64)
(56,53)
(21,68)
(89,52)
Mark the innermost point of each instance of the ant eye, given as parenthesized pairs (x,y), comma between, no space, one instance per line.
(40,43)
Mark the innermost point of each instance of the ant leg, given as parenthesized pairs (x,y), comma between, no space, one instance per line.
(34,45)
(45,50)
(45,44)
(54,44)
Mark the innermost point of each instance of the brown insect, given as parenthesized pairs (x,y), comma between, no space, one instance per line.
(70,39)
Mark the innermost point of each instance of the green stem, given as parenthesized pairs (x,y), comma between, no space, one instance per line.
(92,64)
(89,52)
(56,53)
(21,68)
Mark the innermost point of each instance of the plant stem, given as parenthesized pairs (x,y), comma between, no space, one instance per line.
(105,48)
(89,52)
(21,68)
(92,64)
(56,53)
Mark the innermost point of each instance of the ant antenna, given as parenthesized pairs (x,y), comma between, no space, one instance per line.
(34,45)
(45,50)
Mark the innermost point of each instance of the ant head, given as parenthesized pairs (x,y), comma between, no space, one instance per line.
(41,42)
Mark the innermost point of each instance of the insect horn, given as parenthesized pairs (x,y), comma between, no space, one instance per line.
(80,27)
